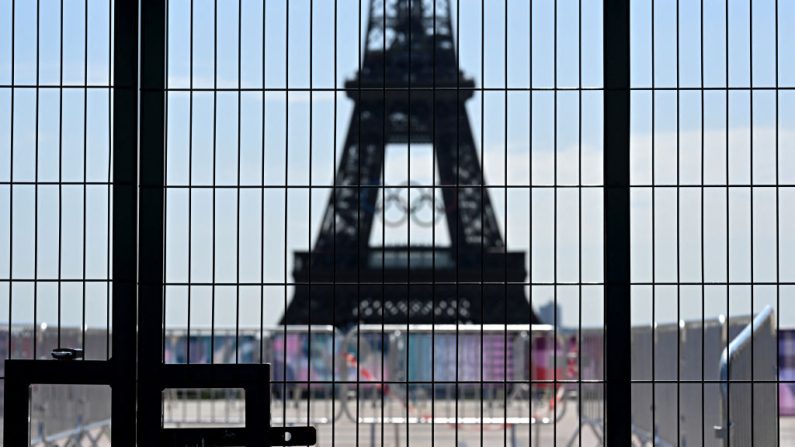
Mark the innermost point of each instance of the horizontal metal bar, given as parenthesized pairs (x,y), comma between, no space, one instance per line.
(445,186)
(413,88)
(417,88)
(213,375)
(468,382)
(75,372)
(56,86)
(382,283)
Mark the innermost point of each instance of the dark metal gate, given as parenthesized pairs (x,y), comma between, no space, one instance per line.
(537,222)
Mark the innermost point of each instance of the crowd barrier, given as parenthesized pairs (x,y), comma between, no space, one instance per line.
(679,409)
(308,374)
(668,413)
(441,374)
(588,395)
(390,374)
(466,375)
(748,399)
(96,434)
(786,372)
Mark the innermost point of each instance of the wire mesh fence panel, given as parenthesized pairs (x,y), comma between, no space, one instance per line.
(709,91)
(55,196)
(424,215)
(377,198)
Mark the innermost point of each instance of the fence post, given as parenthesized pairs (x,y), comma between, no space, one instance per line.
(125,217)
(617,222)
(150,221)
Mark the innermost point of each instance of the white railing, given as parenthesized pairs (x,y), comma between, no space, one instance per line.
(96,434)
(490,376)
(749,407)
(397,374)
(455,375)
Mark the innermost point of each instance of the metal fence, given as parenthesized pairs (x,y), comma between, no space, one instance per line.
(378,384)
(97,434)
(384,199)
(665,415)
(459,382)
(749,414)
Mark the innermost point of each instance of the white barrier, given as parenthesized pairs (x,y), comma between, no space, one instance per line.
(307,376)
(395,374)
(97,434)
(449,374)
(749,407)
(484,377)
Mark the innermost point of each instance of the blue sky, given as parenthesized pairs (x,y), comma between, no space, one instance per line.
(514,139)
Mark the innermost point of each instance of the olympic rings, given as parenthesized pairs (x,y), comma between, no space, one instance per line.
(410,201)
(393,199)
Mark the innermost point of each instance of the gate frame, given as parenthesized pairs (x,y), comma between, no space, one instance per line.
(617,292)
(154,375)
(119,371)
(138,234)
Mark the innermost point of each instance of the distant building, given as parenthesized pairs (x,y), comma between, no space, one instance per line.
(550,313)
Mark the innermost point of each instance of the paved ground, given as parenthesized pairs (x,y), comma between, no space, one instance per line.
(451,435)
(343,432)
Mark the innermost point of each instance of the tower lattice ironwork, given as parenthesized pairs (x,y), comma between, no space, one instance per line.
(409,89)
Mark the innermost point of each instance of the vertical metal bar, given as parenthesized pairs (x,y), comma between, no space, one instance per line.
(530,213)
(408,223)
(60,173)
(554,209)
(579,225)
(482,215)
(309,217)
(109,186)
(9,353)
(237,190)
(151,214)
(617,221)
(778,232)
(36,191)
(433,228)
(286,197)
(505,246)
(85,168)
(262,205)
(725,423)
(358,118)
(190,185)
(213,251)
(454,241)
(677,238)
(164,277)
(701,217)
(653,227)
(334,241)
(383,222)
(751,194)
(125,216)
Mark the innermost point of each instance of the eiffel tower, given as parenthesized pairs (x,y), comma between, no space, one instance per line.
(409,90)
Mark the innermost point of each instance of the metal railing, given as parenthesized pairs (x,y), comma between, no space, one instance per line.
(686,373)
(425,374)
(664,357)
(749,408)
(398,374)
(96,434)
(590,393)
